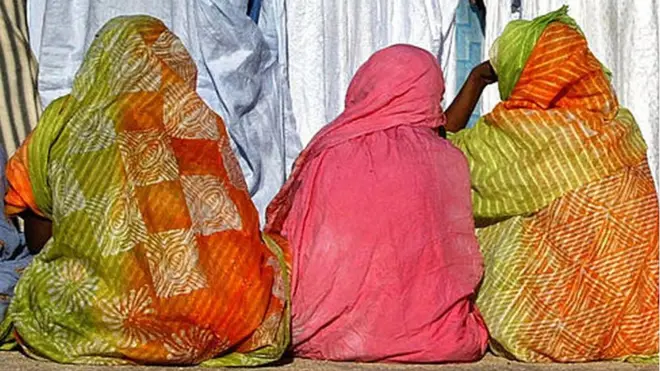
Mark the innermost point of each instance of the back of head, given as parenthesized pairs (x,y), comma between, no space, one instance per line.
(399,74)
(401,85)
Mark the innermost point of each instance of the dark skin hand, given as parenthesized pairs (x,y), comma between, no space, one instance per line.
(458,113)
(38,230)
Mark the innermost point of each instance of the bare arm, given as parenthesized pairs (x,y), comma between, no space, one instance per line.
(461,108)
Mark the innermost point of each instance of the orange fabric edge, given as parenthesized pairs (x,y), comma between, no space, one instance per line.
(19,196)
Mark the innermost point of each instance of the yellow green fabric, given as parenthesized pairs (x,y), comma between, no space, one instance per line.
(510,51)
(156,254)
(567,207)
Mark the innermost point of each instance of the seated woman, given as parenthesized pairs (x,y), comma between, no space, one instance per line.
(155,254)
(378,215)
(561,185)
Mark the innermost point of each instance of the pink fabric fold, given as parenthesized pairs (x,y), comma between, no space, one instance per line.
(379,219)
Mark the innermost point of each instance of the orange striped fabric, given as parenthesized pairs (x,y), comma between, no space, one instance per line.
(571,265)
(577,281)
(561,128)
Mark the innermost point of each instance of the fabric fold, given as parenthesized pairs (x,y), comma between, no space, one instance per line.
(156,255)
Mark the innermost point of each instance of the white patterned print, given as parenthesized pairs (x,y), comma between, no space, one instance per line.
(279,290)
(132,57)
(231,164)
(170,49)
(120,225)
(267,332)
(186,116)
(91,131)
(65,190)
(84,81)
(73,286)
(40,321)
(148,157)
(211,208)
(92,347)
(131,316)
(194,345)
(173,263)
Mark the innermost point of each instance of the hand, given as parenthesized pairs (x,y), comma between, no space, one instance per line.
(484,74)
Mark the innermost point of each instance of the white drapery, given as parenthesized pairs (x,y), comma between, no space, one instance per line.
(329,39)
(624,35)
(241,72)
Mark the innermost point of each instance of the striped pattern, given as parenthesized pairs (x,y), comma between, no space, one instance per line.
(19,100)
(571,266)
(560,129)
(579,280)
(156,255)
(510,51)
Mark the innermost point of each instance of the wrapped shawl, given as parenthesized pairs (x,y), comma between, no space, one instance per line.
(156,254)
(559,173)
(377,212)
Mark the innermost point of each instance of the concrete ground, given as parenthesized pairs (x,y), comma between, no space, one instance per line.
(15,361)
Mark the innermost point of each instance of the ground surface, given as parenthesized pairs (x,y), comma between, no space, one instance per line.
(16,361)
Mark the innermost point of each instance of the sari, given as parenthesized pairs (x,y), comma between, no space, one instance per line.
(563,190)
(156,255)
(377,213)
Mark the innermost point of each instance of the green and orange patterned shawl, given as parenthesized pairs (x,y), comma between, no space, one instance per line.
(156,254)
(559,174)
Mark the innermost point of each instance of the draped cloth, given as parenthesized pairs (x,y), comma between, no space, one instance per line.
(156,254)
(623,35)
(19,98)
(377,212)
(242,69)
(560,176)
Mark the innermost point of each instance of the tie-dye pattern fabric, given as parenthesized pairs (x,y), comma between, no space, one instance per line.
(560,176)
(156,254)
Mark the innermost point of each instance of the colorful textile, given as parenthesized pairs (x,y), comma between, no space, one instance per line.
(241,75)
(19,99)
(156,254)
(560,129)
(577,281)
(512,49)
(560,176)
(14,254)
(377,212)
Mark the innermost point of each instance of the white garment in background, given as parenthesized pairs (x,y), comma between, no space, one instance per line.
(624,37)
(329,40)
(240,73)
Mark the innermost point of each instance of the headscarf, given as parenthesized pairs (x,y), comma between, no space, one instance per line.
(398,85)
(156,254)
(378,216)
(559,128)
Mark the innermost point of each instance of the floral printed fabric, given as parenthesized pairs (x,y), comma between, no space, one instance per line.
(156,254)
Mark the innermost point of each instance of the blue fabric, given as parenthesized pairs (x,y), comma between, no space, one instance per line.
(469,41)
(254,8)
(14,254)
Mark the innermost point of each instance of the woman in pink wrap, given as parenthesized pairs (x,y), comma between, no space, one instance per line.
(379,219)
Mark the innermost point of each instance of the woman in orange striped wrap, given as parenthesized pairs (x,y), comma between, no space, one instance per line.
(562,190)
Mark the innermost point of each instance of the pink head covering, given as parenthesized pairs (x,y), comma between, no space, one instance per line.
(399,85)
(378,216)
